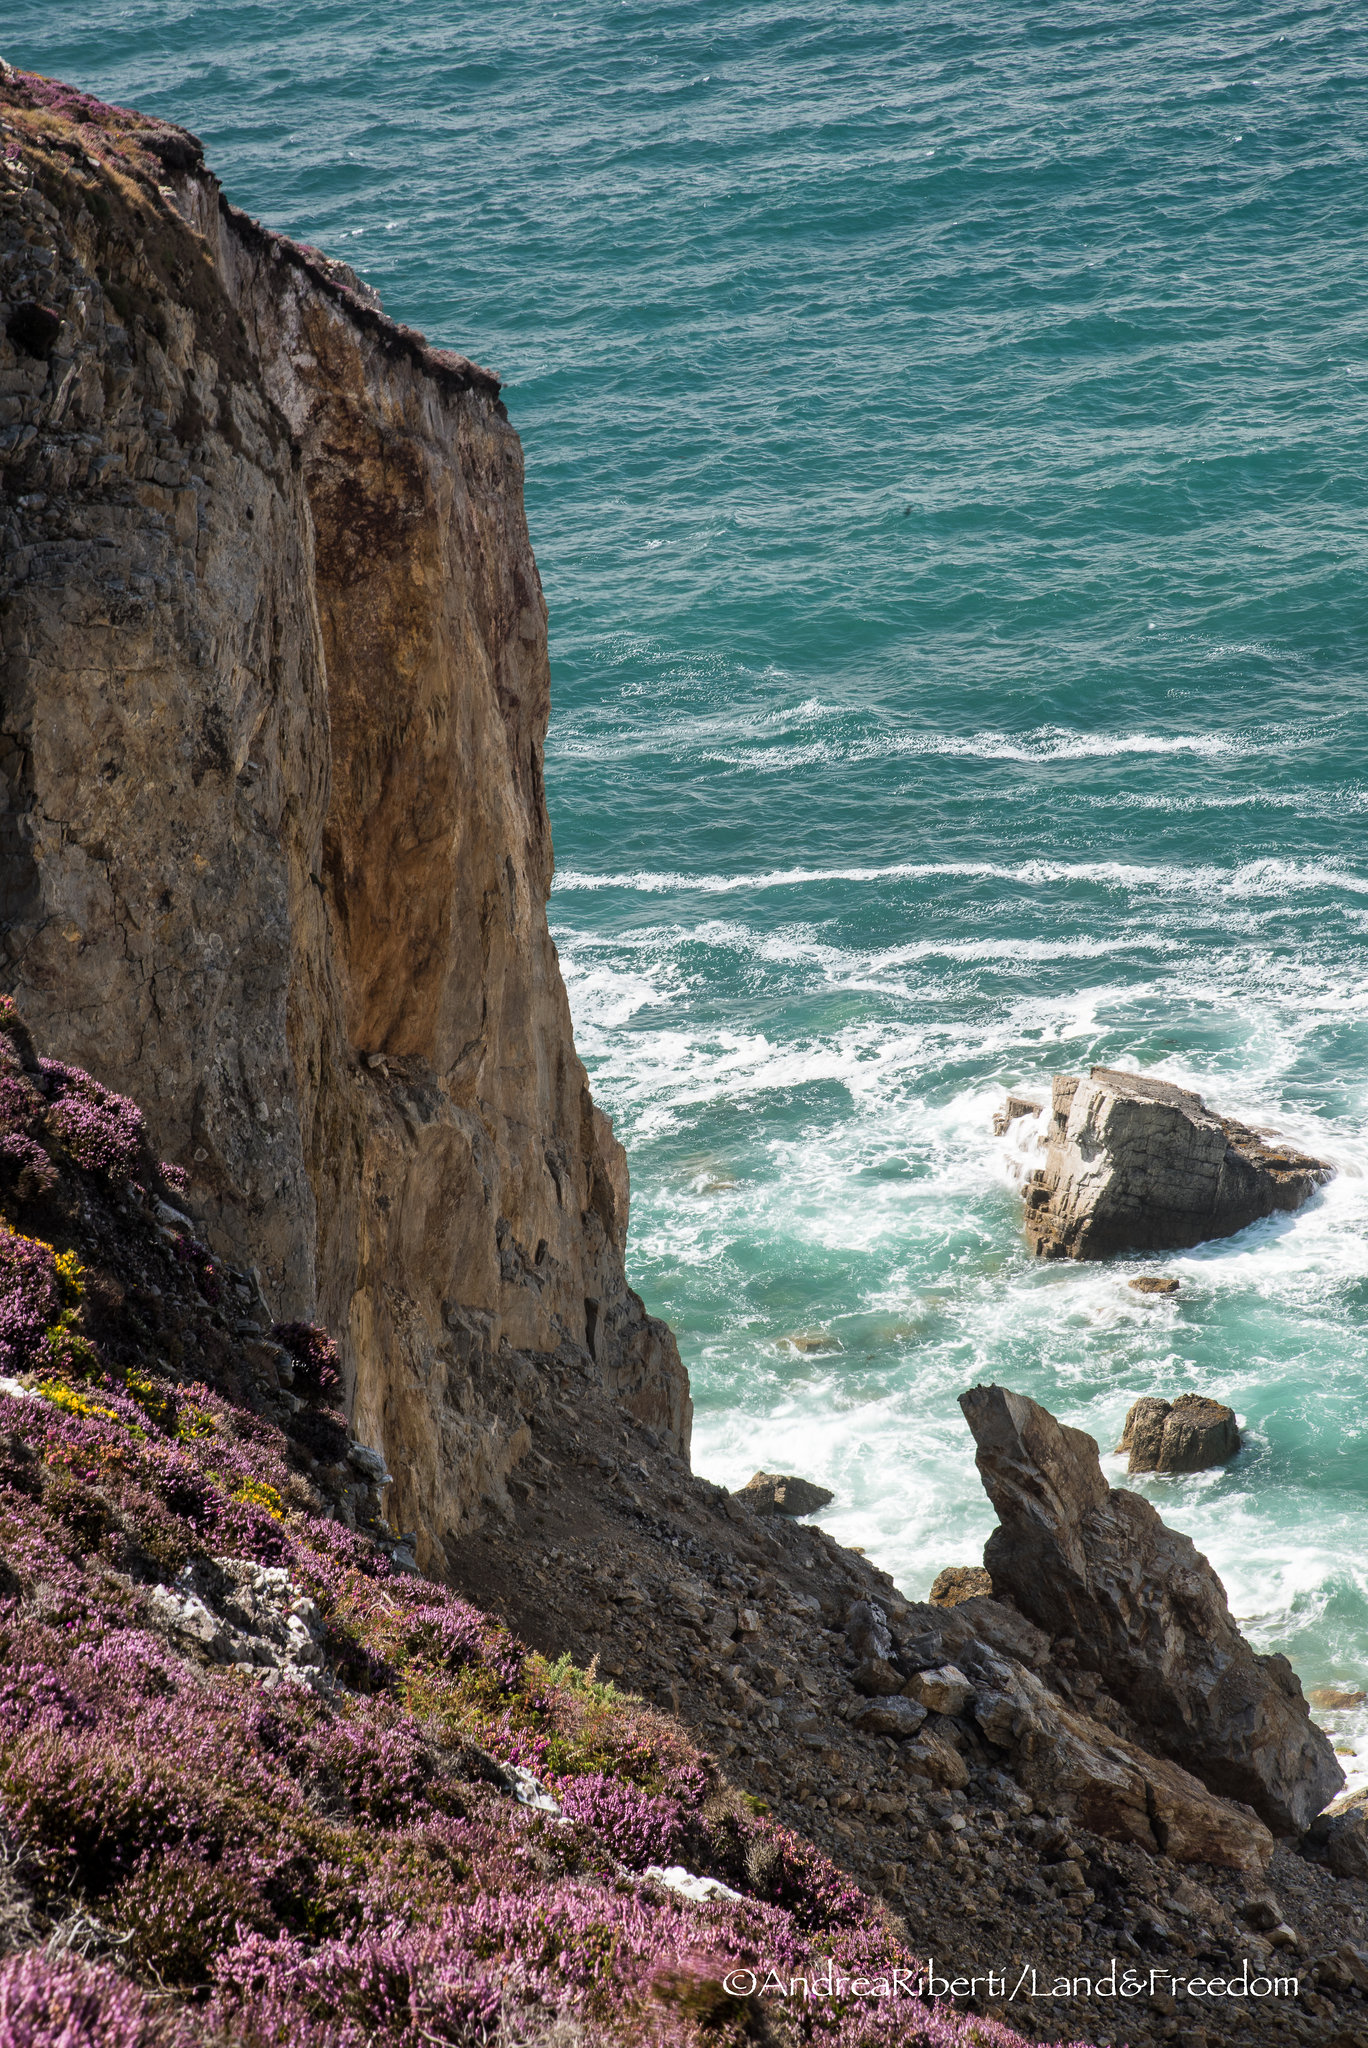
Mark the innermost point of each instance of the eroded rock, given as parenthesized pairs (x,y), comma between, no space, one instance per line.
(1015,1106)
(1340,1836)
(1146,1612)
(1190,1434)
(1137,1164)
(780,1493)
(960,1582)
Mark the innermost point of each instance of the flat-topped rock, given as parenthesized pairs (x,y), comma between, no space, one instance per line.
(1153,1283)
(780,1493)
(1144,1610)
(1137,1164)
(1191,1434)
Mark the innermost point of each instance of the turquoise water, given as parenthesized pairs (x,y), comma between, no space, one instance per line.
(948,466)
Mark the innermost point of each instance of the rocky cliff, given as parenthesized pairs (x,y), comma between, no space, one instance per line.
(275,843)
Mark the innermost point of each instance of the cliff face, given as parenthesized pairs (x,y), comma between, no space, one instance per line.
(276,851)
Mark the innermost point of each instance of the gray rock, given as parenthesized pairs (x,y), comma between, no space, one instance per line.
(898,1716)
(1190,1434)
(1073,1765)
(780,1493)
(866,1630)
(1340,1834)
(1135,1164)
(1146,1612)
(370,1463)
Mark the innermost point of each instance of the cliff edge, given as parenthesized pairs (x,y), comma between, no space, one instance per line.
(273,663)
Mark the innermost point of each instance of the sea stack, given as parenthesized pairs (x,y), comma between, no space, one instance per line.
(1134,1164)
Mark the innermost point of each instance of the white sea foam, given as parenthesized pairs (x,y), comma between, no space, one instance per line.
(1271,877)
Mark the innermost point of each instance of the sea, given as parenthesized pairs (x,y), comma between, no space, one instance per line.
(947,461)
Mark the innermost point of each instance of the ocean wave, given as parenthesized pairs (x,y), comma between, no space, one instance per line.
(1045,744)
(1268,877)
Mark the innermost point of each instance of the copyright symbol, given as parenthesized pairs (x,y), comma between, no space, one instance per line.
(739,1983)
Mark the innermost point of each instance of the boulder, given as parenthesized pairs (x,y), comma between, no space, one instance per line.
(1134,1164)
(1001,1628)
(944,1690)
(1190,1434)
(899,1717)
(960,1582)
(1012,1108)
(1146,1612)
(779,1493)
(1153,1283)
(877,1678)
(866,1629)
(1340,1836)
(1073,1765)
(931,1756)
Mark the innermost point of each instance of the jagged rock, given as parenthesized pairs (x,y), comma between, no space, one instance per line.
(1074,1765)
(1003,1629)
(1135,1164)
(931,1756)
(1146,1612)
(866,1630)
(877,1677)
(1153,1283)
(1340,1834)
(231,1610)
(1012,1108)
(942,1691)
(898,1717)
(779,1493)
(1187,1435)
(959,1582)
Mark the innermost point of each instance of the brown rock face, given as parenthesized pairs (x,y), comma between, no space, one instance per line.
(1146,1612)
(1135,1164)
(276,851)
(1187,1435)
(959,1582)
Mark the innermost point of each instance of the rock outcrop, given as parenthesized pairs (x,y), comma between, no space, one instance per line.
(1014,1107)
(1143,1609)
(1190,1434)
(779,1493)
(1135,1164)
(275,846)
(959,1582)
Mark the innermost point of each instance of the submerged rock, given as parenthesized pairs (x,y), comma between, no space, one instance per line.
(1146,1612)
(779,1493)
(1153,1283)
(1136,1164)
(960,1582)
(1190,1434)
